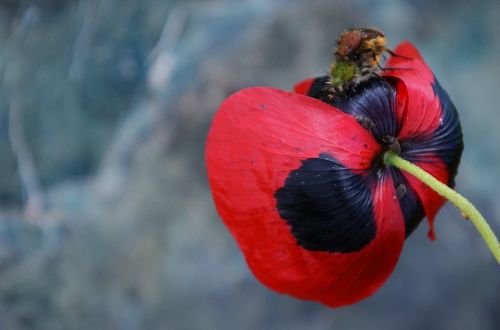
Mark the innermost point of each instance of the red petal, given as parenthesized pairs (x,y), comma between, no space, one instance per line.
(418,109)
(349,278)
(303,87)
(406,49)
(260,135)
(419,115)
(431,201)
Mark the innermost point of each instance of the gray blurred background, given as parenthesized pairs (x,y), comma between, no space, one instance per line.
(106,220)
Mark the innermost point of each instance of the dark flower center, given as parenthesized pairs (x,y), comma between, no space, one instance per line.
(390,143)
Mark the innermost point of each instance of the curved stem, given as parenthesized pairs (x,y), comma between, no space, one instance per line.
(469,210)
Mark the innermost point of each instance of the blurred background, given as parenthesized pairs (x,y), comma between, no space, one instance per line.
(106,219)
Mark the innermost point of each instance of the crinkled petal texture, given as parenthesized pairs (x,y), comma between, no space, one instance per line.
(301,183)
(292,179)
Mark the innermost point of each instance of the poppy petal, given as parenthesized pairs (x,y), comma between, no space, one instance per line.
(431,201)
(447,140)
(418,110)
(373,104)
(275,157)
(429,127)
(411,206)
(407,57)
(303,87)
(426,114)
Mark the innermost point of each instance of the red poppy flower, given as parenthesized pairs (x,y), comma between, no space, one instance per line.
(302,186)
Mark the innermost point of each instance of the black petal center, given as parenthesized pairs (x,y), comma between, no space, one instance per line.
(328,207)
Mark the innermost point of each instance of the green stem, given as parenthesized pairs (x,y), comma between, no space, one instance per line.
(469,210)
